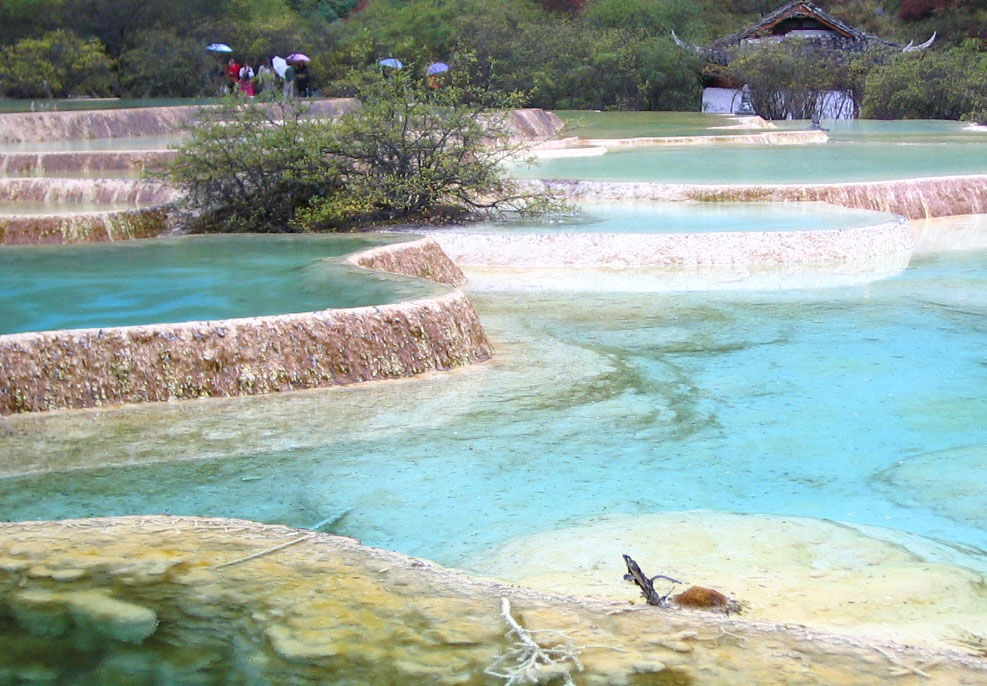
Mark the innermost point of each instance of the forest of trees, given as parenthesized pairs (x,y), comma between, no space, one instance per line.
(599,54)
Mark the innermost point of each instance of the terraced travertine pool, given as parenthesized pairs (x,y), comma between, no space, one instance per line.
(856,151)
(811,403)
(189,278)
(860,408)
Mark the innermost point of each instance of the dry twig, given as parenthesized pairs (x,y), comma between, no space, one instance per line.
(263,552)
(528,662)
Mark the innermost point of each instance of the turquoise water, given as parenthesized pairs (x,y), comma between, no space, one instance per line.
(589,124)
(830,162)
(856,151)
(691,217)
(863,405)
(586,124)
(188,278)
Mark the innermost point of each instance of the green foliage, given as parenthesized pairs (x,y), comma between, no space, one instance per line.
(21,19)
(327,10)
(787,81)
(57,64)
(648,15)
(611,54)
(936,84)
(251,167)
(407,154)
(953,20)
(161,62)
(594,60)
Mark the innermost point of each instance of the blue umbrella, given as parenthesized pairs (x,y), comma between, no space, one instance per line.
(437,68)
(219,47)
(390,62)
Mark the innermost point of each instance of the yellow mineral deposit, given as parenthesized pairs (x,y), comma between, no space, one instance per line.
(276,605)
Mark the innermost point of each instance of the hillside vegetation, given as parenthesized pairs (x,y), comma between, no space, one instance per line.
(600,54)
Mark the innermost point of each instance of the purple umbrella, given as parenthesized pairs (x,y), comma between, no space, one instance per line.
(437,68)
(298,57)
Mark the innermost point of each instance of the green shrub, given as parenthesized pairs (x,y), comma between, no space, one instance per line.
(57,64)
(163,63)
(407,154)
(935,84)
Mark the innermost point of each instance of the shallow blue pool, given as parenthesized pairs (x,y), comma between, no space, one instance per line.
(691,217)
(862,405)
(856,151)
(188,278)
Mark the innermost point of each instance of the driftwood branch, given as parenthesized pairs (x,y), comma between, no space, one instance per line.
(529,662)
(267,551)
(647,584)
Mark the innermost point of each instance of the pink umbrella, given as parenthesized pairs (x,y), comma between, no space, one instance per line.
(298,57)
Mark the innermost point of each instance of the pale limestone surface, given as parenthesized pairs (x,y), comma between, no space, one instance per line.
(871,583)
(268,604)
(134,192)
(912,198)
(680,262)
(91,163)
(766,138)
(958,232)
(594,147)
(26,127)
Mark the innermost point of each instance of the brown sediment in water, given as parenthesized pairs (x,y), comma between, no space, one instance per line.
(911,198)
(956,232)
(281,605)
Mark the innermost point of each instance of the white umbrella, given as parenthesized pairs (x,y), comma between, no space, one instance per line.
(219,47)
(280,65)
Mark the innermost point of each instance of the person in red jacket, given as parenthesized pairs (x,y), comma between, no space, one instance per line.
(233,75)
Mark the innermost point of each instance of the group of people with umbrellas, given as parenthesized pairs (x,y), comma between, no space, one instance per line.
(433,72)
(289,73)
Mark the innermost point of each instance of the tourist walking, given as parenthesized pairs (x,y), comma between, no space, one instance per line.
(247,81)
(288,89)
(264,82)
(233,75)
(301,80)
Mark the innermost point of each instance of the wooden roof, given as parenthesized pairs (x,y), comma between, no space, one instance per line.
(798,9)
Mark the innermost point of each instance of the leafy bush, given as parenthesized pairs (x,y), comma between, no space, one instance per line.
(407,154)
(162,62)
(57,64)
(787,81)
(936,84)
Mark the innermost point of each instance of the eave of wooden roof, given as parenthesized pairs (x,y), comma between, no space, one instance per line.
(794,9)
